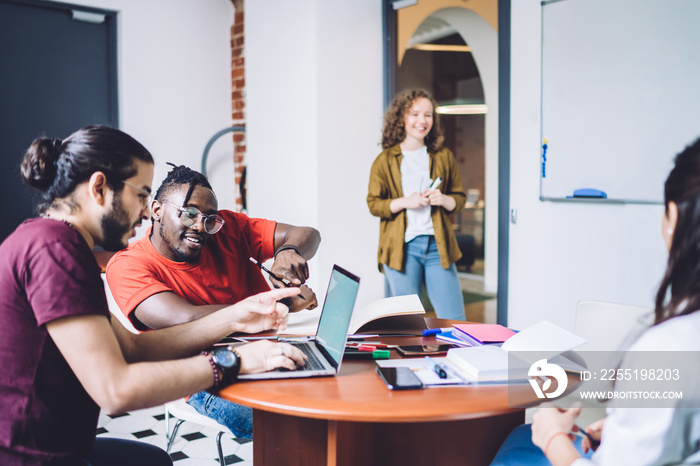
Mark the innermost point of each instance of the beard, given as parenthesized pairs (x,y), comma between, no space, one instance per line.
(178,253)
(115,226)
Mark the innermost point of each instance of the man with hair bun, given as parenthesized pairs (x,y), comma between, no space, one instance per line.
(195,259)
(62,356)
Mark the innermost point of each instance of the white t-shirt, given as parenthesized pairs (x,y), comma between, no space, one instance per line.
(656,436)
(415,178)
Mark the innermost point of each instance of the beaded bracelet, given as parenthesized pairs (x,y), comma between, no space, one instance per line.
(555,435)
(217,376)
(285,247)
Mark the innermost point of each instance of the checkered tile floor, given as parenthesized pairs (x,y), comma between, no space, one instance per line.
(195,445)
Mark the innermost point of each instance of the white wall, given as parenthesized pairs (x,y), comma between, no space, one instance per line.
(314,77)
(314,99)
(561,253)
(174,61)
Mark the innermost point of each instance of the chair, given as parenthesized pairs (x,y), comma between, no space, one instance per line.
(609,326)
(114,309)
(467,247)
(183,412)
(178,408)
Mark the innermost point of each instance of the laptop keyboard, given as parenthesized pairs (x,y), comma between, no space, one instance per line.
(312,363)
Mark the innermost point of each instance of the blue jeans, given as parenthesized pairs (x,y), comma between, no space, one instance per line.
(423,266)
(518,450)
(239,419)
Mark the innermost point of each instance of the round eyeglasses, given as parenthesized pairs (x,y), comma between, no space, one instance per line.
(144,196)
(190,217)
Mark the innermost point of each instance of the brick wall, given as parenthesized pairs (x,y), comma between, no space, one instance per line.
(238,95)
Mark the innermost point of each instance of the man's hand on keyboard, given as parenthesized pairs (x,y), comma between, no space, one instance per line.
(265,355)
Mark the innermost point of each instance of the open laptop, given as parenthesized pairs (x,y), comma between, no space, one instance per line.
(325,351)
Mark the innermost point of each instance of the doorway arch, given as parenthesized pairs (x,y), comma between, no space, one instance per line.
(482,37)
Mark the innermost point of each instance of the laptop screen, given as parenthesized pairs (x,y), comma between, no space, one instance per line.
(336,313)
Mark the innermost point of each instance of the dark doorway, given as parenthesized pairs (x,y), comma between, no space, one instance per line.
(58,73)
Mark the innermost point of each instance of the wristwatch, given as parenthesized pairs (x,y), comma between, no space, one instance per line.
(286,301)
(228,363)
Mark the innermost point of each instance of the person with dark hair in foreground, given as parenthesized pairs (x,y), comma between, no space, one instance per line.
(641,435)
(196,259)
(62,356)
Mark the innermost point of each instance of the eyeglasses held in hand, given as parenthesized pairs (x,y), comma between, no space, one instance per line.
(190,216)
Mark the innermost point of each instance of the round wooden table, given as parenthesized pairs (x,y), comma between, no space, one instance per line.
(354,419)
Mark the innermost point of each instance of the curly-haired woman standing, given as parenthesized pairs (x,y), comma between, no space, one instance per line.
(414,184)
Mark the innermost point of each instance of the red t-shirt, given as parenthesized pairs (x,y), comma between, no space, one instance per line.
(224,273)
(47,272)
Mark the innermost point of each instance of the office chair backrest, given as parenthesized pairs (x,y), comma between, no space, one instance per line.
(609,326)
(114,309)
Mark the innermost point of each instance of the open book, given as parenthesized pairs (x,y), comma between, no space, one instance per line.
(396,314)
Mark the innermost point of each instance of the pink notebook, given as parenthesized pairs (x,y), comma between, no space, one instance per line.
(486,333)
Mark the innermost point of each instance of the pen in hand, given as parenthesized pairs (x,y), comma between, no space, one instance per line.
(286,282)
(594,443)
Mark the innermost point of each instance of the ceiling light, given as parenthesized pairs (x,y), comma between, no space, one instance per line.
(461,107)
(442,48)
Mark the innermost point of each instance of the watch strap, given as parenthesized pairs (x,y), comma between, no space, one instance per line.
(285,247)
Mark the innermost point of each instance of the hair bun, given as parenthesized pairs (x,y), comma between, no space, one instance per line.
(56,144)
(39,166)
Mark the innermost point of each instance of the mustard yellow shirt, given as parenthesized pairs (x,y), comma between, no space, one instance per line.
(385,186)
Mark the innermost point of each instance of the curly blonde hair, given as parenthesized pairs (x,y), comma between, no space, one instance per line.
(394,131)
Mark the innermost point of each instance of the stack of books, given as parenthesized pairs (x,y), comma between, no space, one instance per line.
(490,362)
(480,363)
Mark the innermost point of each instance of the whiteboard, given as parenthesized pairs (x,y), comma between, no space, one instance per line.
(620,95)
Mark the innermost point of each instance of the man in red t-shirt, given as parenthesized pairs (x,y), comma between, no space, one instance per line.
(195,260)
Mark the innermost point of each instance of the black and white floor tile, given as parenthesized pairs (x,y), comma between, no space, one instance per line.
(195,445)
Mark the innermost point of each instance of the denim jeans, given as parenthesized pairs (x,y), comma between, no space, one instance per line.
(518,450)
(423,266)
(239,419)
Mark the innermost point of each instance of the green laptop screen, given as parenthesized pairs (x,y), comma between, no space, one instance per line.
(337,311)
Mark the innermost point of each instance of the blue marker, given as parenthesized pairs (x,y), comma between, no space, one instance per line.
(436,367)
(544,158)
(435,331)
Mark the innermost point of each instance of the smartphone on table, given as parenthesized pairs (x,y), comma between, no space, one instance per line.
(424,350)
(399,378)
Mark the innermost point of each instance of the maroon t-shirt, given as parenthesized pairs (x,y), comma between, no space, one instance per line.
(47,272)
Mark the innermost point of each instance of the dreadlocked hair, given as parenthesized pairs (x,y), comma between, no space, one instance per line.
(178,176)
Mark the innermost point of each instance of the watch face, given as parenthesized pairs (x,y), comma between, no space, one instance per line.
(224,357)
